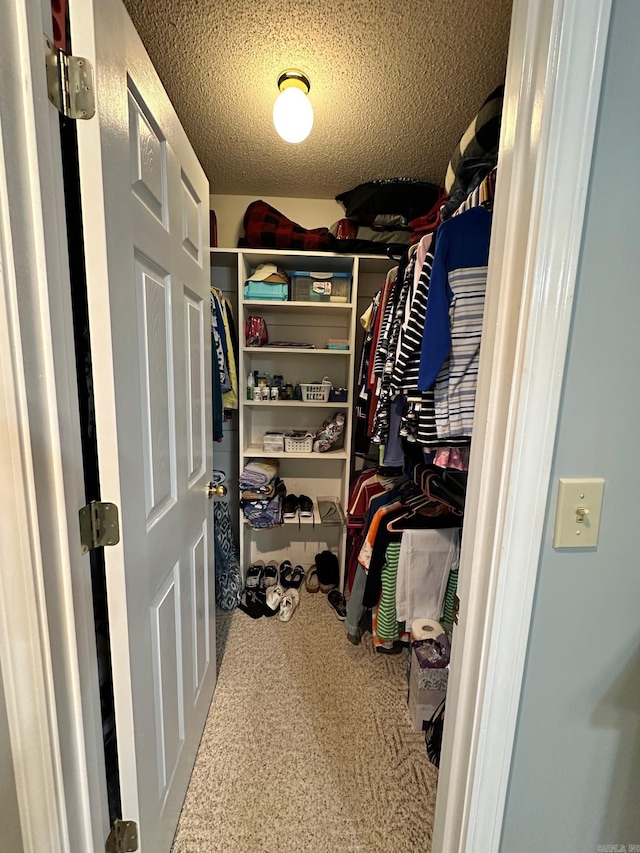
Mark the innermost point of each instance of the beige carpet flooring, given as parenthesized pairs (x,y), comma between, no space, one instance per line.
(308,745)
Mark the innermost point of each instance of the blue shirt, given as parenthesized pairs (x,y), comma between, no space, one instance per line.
(461,242)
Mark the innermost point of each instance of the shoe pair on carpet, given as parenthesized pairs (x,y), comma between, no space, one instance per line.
(272,590)
(324,575)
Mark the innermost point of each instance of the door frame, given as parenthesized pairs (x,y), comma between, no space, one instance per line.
(48,664)
(552,94)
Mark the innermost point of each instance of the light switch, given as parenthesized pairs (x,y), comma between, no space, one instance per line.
(578,513)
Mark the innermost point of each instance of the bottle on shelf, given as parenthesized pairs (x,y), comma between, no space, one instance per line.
(251,382)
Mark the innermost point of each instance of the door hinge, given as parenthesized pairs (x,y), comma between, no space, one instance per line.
(99,525)
(123,837)
(70,83)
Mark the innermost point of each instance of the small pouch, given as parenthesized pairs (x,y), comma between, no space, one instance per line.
(255,332)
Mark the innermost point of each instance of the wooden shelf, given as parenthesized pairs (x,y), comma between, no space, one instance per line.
(254,450)
(312,322)
(315,519)
(280,404)
(291,259)
(296,350)
(291,305)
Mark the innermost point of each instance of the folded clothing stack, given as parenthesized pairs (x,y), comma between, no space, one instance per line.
(259,474)
(378,215)
(262,493)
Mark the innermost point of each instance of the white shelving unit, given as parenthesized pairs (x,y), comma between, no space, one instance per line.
(312,474)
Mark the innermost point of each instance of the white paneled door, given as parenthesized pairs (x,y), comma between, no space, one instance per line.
(145,208)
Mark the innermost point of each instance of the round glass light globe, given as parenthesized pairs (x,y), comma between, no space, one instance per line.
(293,115)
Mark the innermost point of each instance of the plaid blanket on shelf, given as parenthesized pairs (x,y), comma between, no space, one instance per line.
(267,228)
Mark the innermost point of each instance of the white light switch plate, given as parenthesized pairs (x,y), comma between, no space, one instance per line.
(578,499)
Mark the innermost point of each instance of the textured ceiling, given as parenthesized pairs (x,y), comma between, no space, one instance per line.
(393,84)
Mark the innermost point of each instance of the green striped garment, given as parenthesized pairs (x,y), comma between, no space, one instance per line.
(389,629)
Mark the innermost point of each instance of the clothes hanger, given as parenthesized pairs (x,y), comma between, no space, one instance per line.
(391,256)
(448,490)
(395,525)
(431,485)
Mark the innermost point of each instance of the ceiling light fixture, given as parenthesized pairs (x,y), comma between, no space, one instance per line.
(292,111)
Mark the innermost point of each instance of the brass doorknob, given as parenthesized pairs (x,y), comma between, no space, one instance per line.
(216,491)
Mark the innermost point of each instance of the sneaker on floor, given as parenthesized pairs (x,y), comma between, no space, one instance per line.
(290,601)
(339,604)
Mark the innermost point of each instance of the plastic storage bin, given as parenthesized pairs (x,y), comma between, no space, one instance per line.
(273,441)
(315,392)
(271,290)
(320,286)
(297,442)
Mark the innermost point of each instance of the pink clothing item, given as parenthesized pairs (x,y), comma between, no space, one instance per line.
(421,253)
(452,457)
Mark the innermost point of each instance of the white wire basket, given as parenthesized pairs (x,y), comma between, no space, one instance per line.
(316,392)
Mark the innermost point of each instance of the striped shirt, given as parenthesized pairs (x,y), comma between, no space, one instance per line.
(455,388)
(407,365)
(419,423)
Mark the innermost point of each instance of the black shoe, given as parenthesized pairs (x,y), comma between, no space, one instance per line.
(290,576)
(328,571)
(395,649)
(337,600)
(306,509)
(290,506)
(306,506)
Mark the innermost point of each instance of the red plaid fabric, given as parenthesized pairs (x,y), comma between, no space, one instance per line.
(267,228)
(430,221)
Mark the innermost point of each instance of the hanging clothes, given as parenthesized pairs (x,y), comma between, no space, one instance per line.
(418,422)
(481,195)
(216,394)
(375,364)
(453,323)
(230,398)
(387,348)
(384,518)
(427,557)
(219,340)
(387,626)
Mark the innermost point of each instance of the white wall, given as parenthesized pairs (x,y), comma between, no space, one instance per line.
(308,212)
(575,778)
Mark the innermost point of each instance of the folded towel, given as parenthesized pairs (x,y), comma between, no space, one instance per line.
(258,472)
(261,493)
